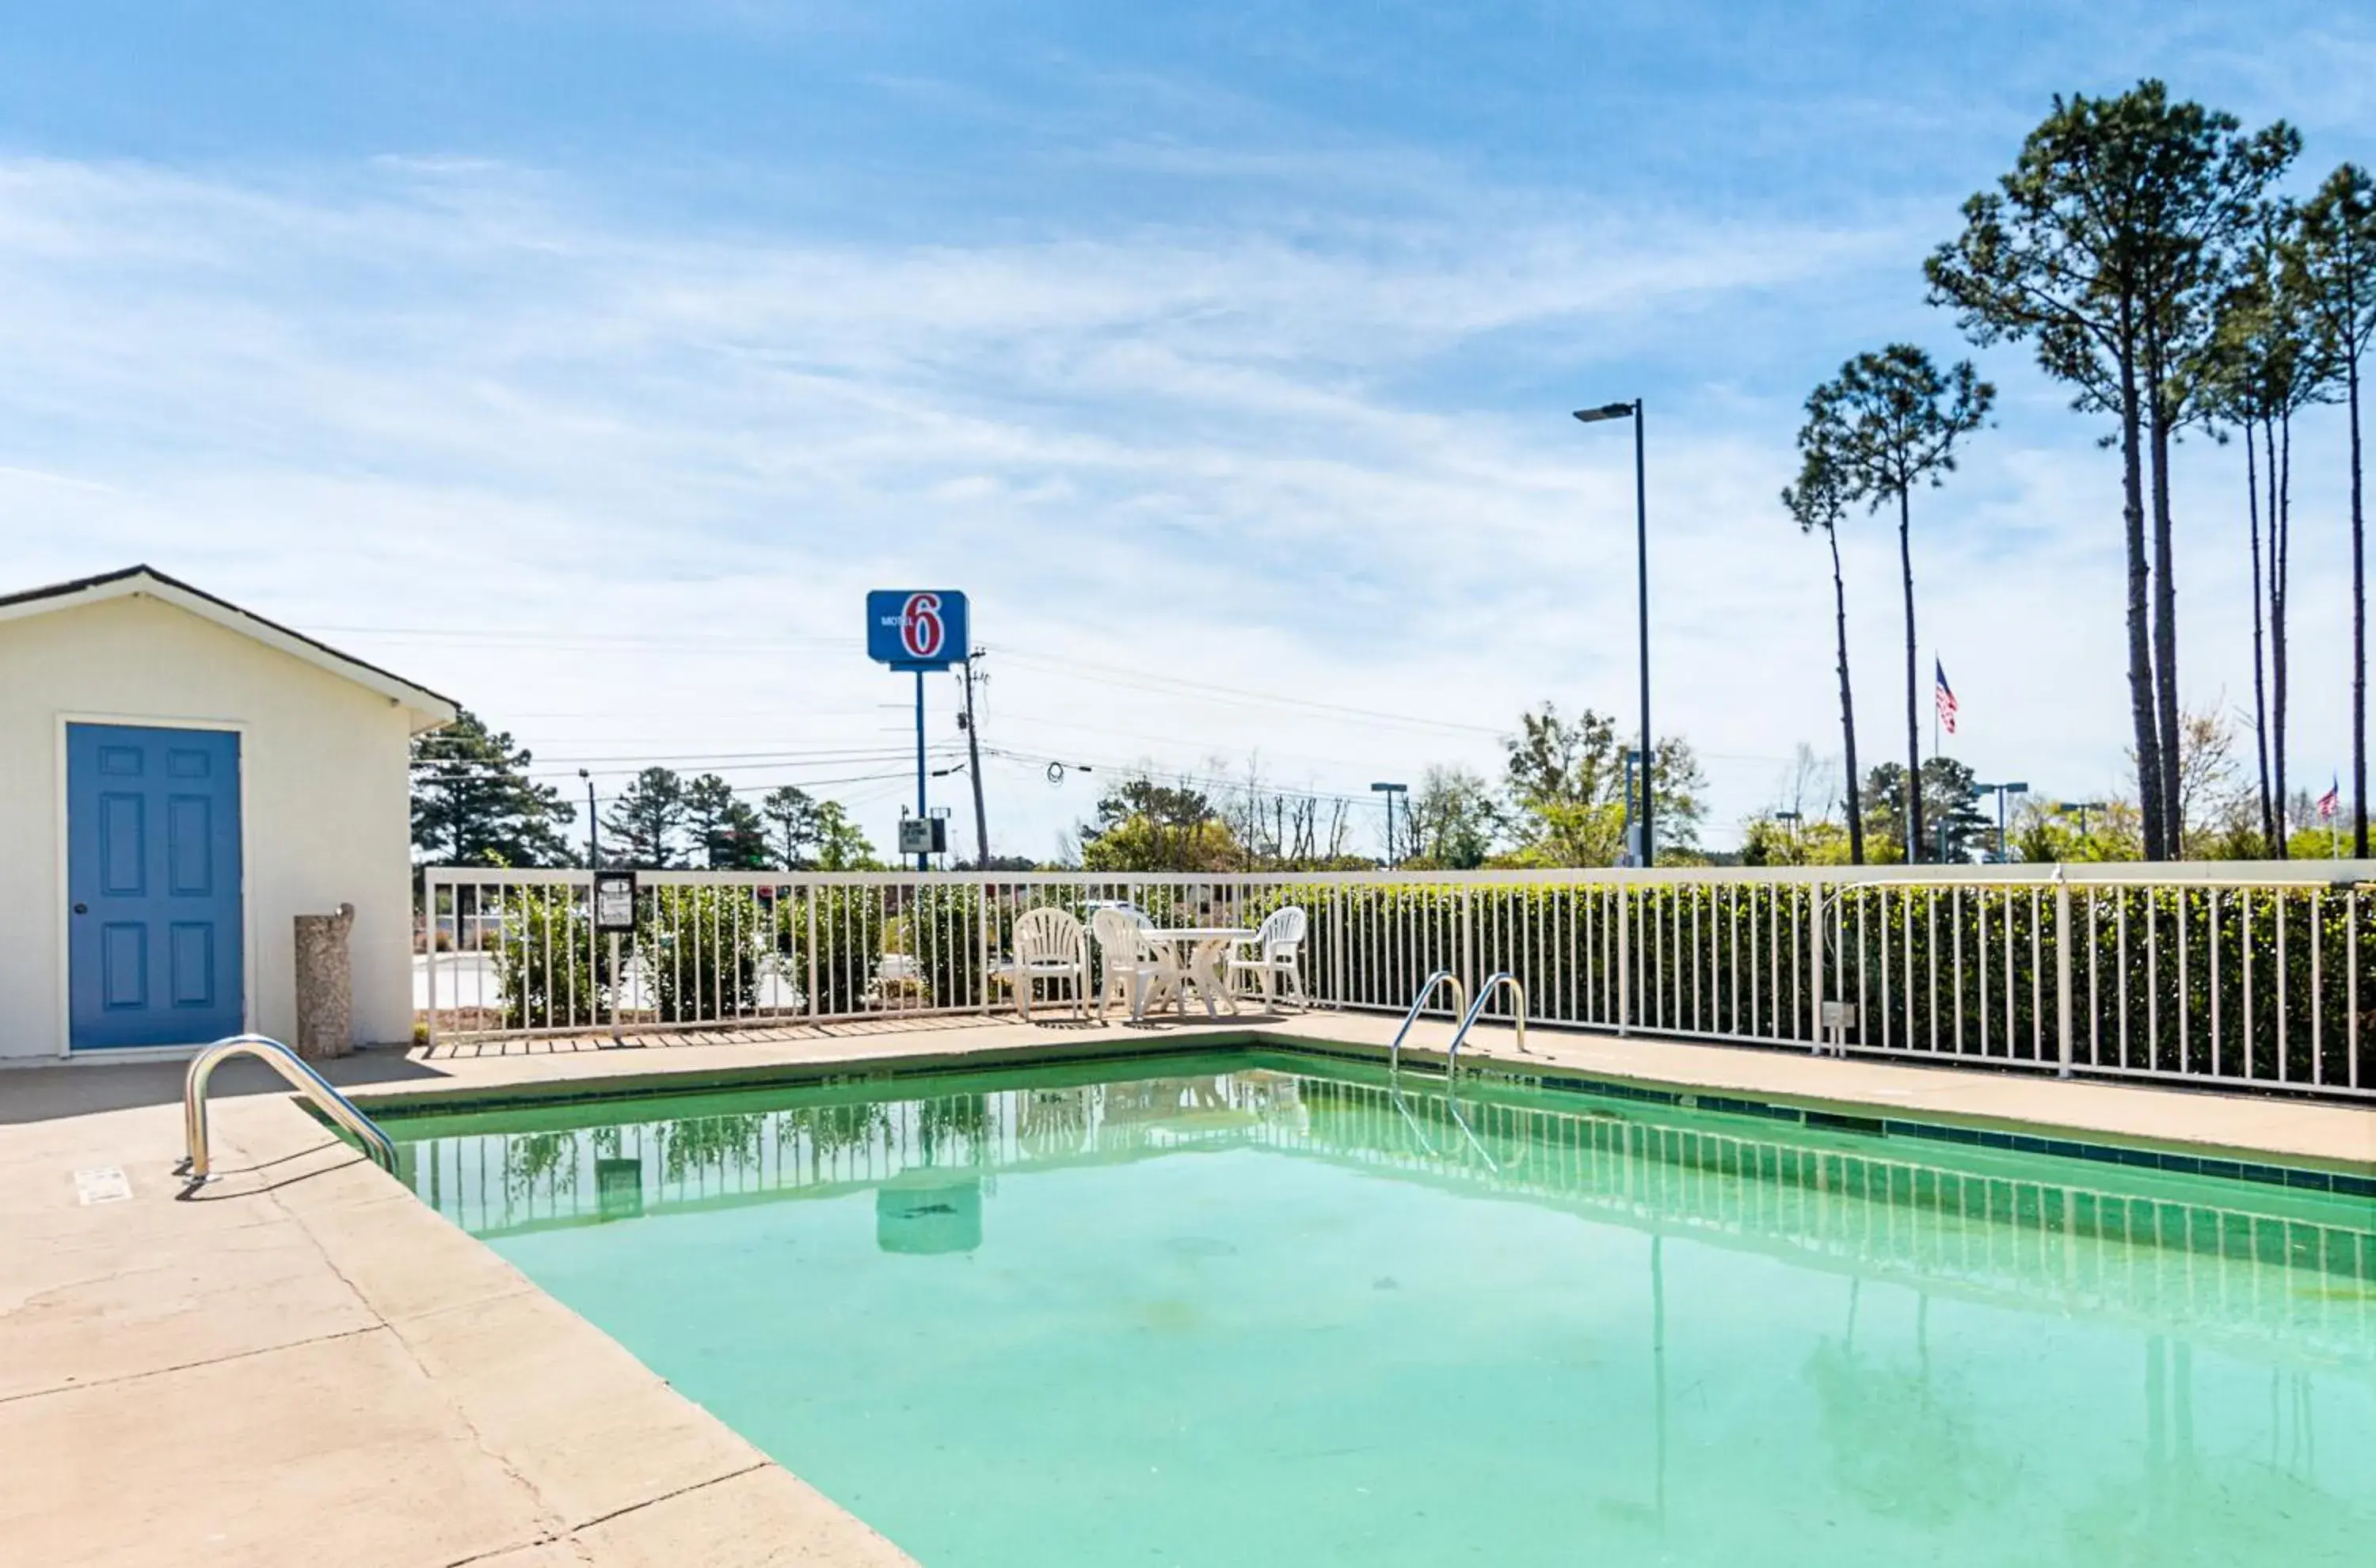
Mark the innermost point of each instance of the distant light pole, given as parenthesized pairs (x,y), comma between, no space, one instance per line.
(1641,586)
(1793,819)
(2079,809)
(593,846)
(1390,791)
(2004,856)
(1631,852)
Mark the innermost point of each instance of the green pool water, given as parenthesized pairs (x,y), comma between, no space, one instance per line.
(1253,1310)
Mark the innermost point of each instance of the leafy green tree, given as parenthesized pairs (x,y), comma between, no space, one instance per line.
(2332,266)
(1819,501)
(1452,821)
(841,845)
(726,830)
(1769,841)
(2267,360)
(790,816)
(1564,785)
(2048,831)
(1889,423)
(1959,830)
(643,824)
(473,804)
(2106,246)
(1142,825)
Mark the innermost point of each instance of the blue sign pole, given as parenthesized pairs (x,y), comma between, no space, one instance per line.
(923,859)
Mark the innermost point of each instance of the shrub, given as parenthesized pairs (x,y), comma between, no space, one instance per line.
(699,950)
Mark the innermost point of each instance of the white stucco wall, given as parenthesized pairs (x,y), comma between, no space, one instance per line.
(326,819)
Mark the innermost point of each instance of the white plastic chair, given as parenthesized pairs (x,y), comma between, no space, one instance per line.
(1048,947)
(1277,943)
(1132,964)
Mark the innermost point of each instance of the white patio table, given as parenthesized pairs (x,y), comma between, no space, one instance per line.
(1198,950)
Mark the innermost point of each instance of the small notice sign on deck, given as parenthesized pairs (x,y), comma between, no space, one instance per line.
(614,901)
(104,1186)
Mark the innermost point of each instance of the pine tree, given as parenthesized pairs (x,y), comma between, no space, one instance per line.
(2333,268)
(1891,421)
(473,803)
(1816,502)
(643,824)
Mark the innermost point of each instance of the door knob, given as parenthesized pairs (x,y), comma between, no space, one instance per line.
(82,909)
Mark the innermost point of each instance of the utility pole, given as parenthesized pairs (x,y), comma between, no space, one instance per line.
(973,759)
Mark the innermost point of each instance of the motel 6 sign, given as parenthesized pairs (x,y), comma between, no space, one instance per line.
(916,628)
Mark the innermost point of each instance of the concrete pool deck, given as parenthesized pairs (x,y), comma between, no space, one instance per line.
(305,1364)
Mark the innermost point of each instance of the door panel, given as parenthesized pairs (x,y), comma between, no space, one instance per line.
(155,943)
(124,965)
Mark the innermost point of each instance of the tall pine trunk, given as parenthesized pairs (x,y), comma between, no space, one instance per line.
(2165,628)
(1913,706)
(2141,674)
(2259,642)
(2358,626)
(1847,701)
(2281,554)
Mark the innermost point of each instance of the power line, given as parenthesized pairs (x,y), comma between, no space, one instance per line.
(1171,685)
(1158,774)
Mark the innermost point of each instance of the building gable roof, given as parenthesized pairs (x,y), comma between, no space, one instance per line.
(428,708)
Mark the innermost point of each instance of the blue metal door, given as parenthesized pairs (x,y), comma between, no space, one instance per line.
(155,942)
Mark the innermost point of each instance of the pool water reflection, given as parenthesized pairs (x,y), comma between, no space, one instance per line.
(1250,1309)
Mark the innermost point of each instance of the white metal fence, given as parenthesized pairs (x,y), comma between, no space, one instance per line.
(2261,975)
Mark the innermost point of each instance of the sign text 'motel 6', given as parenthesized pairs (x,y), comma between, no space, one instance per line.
(916,628)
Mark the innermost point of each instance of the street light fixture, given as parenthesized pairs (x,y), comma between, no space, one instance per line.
(1390,791)
(1633,411)
(2004,856)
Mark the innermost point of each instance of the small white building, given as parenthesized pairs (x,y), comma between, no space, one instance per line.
(179,778)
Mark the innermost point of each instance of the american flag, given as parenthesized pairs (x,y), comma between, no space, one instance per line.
(2331,802)
(1947,696)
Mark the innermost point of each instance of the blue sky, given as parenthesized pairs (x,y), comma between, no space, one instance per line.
(589,362)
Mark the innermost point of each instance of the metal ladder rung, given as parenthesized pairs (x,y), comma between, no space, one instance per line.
(1467,1012)
(1493,982)
(1426,989)
(301,1076)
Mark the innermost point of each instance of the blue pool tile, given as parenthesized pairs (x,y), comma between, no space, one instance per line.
(2355,1186)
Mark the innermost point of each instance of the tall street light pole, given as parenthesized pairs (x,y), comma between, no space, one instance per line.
(593,845)
(1633,411)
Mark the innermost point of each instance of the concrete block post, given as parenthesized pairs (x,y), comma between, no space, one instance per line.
(326,999)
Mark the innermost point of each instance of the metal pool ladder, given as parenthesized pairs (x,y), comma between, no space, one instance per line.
(301,1076)
(1485,993)
(1426,989)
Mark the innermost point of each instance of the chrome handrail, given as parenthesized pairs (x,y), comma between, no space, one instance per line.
(1426,988)
(301,1076)
(1484,994)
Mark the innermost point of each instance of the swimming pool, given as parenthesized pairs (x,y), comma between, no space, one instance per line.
(1252,1308)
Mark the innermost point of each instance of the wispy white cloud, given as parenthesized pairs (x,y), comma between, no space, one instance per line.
(462,395)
